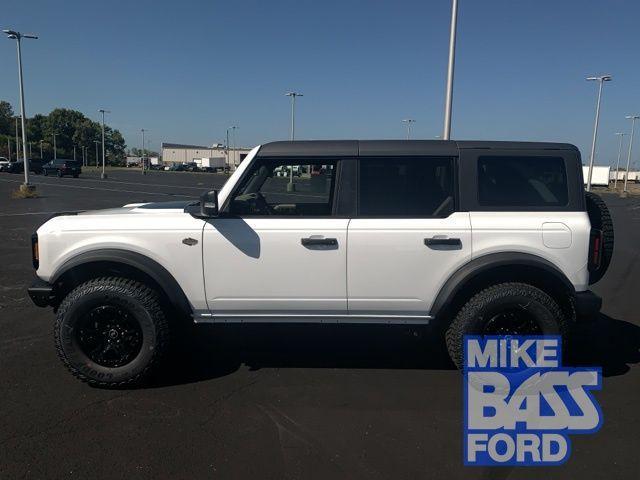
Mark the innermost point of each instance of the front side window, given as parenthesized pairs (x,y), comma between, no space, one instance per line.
(406,187)
(286,187)
(522,181)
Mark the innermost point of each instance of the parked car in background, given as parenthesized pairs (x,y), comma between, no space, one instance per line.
(35,166)
(178,167)
(61,167)
(4,164)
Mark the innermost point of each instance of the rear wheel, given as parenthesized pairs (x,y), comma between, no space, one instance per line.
(505,309)
(111,332)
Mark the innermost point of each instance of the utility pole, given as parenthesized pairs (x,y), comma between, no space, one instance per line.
(55,149)
(74,152)
(408,122)
(446,135)
(615,181)
(633,119)
(40,149)
(17,36)
(104,174)
(600,79)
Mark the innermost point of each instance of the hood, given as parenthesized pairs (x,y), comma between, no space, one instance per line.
(142,208)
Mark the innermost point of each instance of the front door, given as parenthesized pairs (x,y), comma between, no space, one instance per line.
(277,250)
(407,237)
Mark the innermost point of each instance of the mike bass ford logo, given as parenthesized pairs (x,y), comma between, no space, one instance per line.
(521,405)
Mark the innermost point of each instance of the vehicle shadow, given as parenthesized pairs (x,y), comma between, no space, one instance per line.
(212,351)
(608,343)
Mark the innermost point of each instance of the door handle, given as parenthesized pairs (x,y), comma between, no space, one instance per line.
(314,241)
(453,243)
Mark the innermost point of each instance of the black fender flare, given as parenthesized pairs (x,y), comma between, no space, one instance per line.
(483,264)
(167,283)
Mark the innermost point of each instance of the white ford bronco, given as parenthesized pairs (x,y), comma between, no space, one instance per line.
(475,237)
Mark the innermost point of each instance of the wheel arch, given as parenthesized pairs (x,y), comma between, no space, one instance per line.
(499,268)
(116,262)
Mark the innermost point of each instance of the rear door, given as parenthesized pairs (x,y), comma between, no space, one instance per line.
(407,237)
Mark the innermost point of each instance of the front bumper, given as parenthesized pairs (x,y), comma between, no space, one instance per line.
(587,305)
(41,293)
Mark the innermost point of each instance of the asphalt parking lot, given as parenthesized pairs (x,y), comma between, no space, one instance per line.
(277,402)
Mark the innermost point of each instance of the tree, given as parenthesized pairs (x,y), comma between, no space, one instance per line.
(6,117)
(71,128)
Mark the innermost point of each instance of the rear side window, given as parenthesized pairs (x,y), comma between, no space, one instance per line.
(406,187)
(522,181)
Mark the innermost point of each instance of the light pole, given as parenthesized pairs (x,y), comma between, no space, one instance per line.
(615,180)
(233,129)
(18,36)
(55,149)
(143,151)
(290,186)
(74,152)
(104,174)
(600,79)
(408,122)
(17,141)
(41,150)
(293,96)
(97,142)
(633,119)
(452,60)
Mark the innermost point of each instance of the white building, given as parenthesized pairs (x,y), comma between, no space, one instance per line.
(173,153)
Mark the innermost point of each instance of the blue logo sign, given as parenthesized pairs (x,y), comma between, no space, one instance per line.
(521,404)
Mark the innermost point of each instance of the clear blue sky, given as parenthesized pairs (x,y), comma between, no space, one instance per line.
(185,70)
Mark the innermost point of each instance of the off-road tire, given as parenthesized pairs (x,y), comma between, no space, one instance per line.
(600,218)
(140,302)
(472,317)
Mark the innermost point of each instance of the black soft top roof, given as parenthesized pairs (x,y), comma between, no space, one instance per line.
(352,148)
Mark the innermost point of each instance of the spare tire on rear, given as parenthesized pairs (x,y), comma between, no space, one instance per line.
(600,220)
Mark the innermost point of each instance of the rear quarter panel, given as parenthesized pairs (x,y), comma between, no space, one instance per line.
(562,238)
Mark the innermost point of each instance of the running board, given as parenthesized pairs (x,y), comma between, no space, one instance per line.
(202,317)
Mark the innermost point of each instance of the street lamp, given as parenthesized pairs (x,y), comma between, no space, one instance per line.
(97,142)
(600,79)
(452,60)
(290,186)
(55,149)
(615,181)
(104,174)
(633,119)
(408,122)
(17,36)
(233,129)
(143,150)
(41,150)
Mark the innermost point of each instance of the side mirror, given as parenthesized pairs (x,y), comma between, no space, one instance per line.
(209,204)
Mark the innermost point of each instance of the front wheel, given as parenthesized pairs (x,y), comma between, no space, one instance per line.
(505,309)
(111,332)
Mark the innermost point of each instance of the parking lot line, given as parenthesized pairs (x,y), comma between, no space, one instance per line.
(85,179)
(100,188)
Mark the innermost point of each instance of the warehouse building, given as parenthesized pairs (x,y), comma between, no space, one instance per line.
(176,153)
